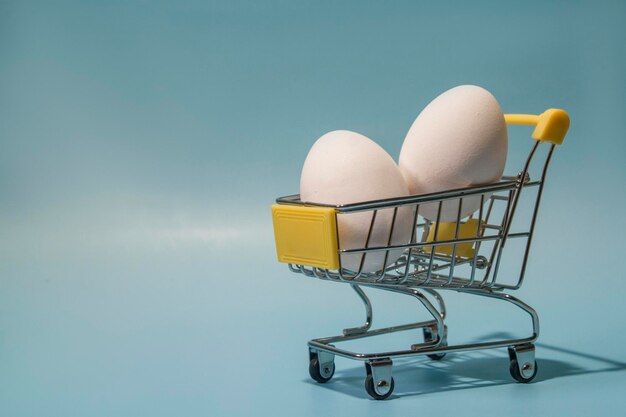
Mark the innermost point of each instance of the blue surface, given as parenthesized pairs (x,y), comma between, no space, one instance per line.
(141,146)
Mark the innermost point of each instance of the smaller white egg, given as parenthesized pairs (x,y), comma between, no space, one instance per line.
(345,167)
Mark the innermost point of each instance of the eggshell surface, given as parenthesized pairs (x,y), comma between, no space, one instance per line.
(458,140)
(345,167)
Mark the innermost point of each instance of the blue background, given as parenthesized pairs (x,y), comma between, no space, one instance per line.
(141,145)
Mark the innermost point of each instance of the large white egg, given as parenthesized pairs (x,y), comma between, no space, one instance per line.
(458,140)
(345,167)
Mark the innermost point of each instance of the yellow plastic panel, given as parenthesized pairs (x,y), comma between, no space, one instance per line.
(306,235)
(446,231)
(552,126)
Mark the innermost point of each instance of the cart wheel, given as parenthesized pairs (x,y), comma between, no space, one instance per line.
(517,375)
(525,355)
(320,375)
(438,356)
(428,337)
(369,387)
(378,381)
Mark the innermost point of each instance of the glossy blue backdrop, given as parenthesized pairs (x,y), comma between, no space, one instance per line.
(141,144)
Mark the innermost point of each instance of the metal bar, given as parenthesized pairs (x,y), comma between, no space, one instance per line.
(427,305)
(413,236)
(368,314)
(477,248)
(454,245)
(519,192)
(393,223)
(513,300)
(428,198)
(410,200)
(432,248)
(324,343)
(367,241)
(375,332)
(338,246)
(492,227)
(497,249)
(534,218)
(441,242)
(421,351)
(439,298)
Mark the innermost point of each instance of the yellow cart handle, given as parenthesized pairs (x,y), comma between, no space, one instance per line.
(552,124)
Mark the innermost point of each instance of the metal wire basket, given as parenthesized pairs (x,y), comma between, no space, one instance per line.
(465,255)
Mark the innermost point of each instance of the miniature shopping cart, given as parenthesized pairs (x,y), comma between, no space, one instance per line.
(467,255)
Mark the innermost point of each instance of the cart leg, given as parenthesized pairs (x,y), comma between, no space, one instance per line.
(435,333)
(321,365)
(431,331)
(523,366)
(439,298)
(515,301)
(379,382)
(368,314)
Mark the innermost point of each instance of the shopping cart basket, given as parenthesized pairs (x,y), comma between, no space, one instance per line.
(465,256)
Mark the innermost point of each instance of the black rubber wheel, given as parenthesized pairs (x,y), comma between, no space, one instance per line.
(314,371)
(515,372)
(434,356)
(369,387)
(437,356)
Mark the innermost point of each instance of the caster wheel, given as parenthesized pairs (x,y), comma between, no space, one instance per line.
(428,337)
(369,387)
(524,355)
(437,356)
(529,374)
(321,375)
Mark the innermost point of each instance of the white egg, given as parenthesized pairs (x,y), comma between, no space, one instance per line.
(345,167)
(458,140)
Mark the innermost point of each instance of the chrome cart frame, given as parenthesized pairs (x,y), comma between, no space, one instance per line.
(466,261)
